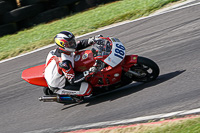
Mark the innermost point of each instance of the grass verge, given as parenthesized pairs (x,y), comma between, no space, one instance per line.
(178,126)
(80,23)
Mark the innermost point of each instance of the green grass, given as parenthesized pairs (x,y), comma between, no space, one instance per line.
(179,126)
(188,126)
(80,23)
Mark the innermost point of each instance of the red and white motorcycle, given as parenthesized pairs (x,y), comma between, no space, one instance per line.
(105,67)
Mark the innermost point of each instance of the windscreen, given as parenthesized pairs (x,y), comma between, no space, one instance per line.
(102,46)
(113,48)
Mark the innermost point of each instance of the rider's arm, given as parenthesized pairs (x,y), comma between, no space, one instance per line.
(87,42)
(82,44)
(68,71)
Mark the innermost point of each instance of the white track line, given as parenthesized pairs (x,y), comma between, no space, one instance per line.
(120,122)
(173,7)
(115,25)
(134,120)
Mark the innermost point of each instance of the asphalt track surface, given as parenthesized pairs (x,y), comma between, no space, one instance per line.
(171,39)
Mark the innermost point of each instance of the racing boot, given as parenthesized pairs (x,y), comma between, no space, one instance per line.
(82,89)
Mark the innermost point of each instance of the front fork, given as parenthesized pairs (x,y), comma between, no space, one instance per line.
(130,61)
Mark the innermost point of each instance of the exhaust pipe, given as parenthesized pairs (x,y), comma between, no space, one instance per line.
(55,98)
(49,98)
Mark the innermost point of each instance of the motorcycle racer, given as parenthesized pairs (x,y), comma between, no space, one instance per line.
(105,67)
(60,64)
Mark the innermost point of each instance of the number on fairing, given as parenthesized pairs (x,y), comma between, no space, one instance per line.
(119,51)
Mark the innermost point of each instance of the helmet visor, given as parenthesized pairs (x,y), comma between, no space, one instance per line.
(72,44)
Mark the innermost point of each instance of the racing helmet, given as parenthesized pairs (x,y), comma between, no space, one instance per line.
(66,41)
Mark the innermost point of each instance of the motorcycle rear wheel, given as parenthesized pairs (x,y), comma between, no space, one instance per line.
(146,68)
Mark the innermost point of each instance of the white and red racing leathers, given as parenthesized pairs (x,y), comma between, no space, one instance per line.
(59,68)
(54,74)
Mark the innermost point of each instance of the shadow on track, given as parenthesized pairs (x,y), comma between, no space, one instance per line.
(128,90)
(131,88)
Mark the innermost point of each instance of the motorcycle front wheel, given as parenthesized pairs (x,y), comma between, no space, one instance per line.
(146,69)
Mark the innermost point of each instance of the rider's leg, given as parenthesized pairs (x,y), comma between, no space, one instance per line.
(81,89)
(77,92)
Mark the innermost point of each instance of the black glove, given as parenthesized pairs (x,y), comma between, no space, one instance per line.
(99,36)
(93,40)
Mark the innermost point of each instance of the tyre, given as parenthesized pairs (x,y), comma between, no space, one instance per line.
(22,13)
(12,3)
(5,7)
(79,6)
(8,29)
(65,2)
(92,3)
(48,15)
(147,69)
(30,2)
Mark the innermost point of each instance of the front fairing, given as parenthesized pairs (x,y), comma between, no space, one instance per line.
(83,60)
(111,51)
